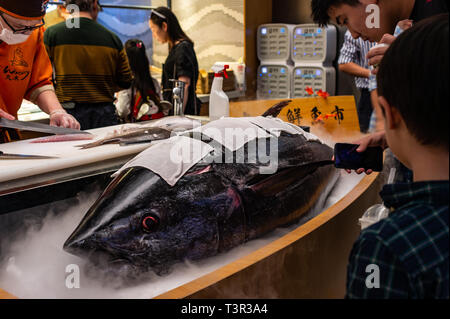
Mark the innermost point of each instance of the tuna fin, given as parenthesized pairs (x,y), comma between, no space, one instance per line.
(279,182)
(98,143)
(276,109)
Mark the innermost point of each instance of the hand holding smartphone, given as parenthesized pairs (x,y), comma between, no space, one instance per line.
(346,156)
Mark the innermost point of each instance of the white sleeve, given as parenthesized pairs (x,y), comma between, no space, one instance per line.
(123,103)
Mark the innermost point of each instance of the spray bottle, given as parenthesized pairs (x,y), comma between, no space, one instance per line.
(219,104)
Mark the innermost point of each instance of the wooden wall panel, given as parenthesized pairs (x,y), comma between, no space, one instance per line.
(292,11)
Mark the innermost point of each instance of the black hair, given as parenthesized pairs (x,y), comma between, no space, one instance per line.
(83,5)
(140,66)
(320,9)
(414,78)
(174,29)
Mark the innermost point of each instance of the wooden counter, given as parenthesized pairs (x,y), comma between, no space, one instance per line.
(5,295)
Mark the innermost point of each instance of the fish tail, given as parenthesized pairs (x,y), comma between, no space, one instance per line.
(276,109)
(99,143)
(89,145)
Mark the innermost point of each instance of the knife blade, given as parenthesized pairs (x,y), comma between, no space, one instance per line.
(38,127)
(23,156)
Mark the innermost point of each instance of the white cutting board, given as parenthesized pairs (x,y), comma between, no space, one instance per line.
(68,155)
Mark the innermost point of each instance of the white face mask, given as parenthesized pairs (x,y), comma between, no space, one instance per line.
(10,37)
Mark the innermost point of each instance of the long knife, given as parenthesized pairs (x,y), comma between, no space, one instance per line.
(38,127)
(22,156)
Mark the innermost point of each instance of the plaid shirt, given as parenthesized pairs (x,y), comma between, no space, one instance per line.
(408,250)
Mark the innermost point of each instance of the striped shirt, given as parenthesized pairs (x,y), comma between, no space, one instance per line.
(90,62)
(355,51)
(405,255)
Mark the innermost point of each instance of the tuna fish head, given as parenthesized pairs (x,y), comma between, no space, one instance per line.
(141,223)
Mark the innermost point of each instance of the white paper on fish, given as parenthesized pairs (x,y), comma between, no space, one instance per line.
(276,126)
(171,158)
(232,133)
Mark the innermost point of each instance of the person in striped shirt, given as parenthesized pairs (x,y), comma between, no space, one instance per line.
(353,60)
(90,66)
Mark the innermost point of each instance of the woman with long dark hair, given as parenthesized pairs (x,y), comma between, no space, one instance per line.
(181,63)
(143,101)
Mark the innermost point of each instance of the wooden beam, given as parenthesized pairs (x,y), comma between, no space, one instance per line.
(256,12)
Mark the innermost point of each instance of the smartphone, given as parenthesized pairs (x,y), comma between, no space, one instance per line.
(346,156)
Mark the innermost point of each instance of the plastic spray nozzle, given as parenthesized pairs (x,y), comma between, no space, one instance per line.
(379,211)
(220,71)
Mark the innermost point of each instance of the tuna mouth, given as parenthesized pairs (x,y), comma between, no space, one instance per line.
(112,264)
(92,245)
(113,270)
(104,254)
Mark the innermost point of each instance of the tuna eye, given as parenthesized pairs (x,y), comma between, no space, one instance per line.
(150,223)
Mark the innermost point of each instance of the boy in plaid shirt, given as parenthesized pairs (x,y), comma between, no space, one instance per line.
(406,255)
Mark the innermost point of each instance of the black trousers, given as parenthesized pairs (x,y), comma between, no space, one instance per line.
(94,115)
(365,110)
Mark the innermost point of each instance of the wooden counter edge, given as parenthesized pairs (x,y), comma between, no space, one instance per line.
(6,295)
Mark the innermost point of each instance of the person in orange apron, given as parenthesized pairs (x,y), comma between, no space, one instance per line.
(25,68)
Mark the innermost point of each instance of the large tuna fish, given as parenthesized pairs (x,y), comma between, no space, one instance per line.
(142,223)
